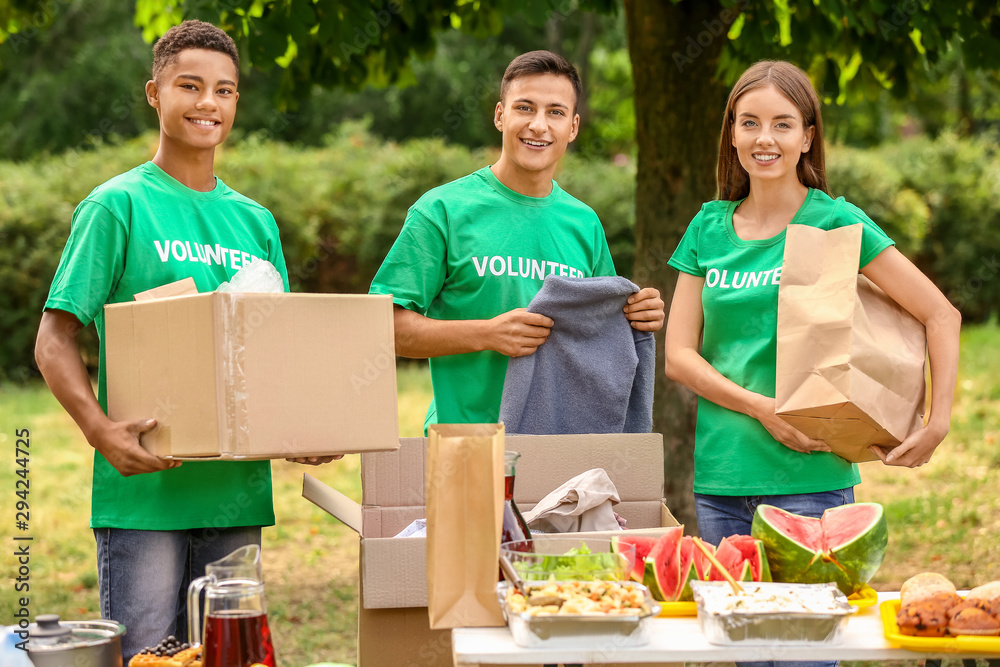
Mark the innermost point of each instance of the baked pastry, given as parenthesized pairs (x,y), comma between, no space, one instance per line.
(969,603)
(985,592)
(924,585)
(181,655)
(923,619)
(943,600)
(974,621)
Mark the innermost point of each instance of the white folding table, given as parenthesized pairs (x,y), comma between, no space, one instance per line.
(681,640)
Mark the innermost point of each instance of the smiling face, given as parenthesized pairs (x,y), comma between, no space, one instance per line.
(195,97)
(538,121)
(769,135)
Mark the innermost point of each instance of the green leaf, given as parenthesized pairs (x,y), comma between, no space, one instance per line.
(784,16)
(736,29)
(290,54)
(848,71)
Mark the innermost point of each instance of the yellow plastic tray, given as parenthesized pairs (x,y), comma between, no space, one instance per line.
(866,597)
(959,644)
(669,609)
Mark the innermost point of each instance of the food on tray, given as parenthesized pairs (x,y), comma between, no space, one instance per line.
(579,563)
(579,597)
(667,565)
(931,607)
(168,653)
(643,545)
(990,591)
(968,603)
(923,619)
(924,585)
(772,597)
(974,621)
(771,613)
(846,545)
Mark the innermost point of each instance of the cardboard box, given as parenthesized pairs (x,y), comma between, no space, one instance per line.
(393,623)
(255,376)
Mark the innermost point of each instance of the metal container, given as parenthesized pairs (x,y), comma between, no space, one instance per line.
(722,624)
(579,631)
(52,643)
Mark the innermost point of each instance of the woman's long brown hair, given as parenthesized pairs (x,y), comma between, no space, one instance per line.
(793,83)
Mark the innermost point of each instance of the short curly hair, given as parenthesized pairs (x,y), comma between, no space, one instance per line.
(192,34)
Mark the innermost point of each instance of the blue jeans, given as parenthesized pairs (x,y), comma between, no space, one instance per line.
(722,516)
(143,577)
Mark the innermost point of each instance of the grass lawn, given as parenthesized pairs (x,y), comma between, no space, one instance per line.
(943,517)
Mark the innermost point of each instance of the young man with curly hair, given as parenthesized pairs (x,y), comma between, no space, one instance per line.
(157,522)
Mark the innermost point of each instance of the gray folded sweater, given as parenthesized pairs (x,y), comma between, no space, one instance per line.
(594,374)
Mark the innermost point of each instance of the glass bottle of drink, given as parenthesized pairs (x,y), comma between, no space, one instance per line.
(514,530)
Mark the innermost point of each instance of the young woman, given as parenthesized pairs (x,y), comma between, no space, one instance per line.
(720,341)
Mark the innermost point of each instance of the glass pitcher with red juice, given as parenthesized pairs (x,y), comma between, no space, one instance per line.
(235,631)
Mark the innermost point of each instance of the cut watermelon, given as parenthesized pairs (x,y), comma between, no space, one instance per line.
(666,563)
(694,565)
(643,545)
(845,546)
(743,557)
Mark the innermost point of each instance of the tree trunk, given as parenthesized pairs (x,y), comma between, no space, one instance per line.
(674,48)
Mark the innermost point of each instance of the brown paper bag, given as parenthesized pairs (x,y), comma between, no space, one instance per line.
(850,368)
(464,515)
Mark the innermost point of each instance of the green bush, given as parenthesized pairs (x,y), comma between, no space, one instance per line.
(940,201)
(339,208)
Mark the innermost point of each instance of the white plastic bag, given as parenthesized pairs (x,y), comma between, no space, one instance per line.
(257,276)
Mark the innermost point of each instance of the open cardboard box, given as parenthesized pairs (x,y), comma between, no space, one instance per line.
(254,376)
(393,623)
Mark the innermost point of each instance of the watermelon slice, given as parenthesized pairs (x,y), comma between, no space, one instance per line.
(666,564)
(846,545)
(643,545)
(694,566)
(743,557)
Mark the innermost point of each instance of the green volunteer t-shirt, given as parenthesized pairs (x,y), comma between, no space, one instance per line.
(473,249)
(734,453)
(138,231)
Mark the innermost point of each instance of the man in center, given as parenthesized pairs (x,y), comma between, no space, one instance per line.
(474,252)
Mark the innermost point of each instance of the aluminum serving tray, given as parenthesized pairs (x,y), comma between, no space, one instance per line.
(771,628)
(578,631)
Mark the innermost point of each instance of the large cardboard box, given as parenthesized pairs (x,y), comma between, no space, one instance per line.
(393,623)
(255,376)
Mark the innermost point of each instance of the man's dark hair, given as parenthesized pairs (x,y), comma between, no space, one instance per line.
(192,35)
(541,62)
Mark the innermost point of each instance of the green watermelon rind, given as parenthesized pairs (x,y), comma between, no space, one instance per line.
(851,566)
(637,573)
(665,558)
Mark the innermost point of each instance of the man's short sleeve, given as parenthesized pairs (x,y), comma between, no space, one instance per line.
(685,257)
(415,268)
(275,255)
(91,264)
(605,265)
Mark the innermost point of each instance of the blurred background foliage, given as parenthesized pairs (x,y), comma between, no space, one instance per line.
(77,81)
(340,205)
(339,168)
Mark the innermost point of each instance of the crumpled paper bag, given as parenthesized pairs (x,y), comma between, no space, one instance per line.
(581,504)
(850,360)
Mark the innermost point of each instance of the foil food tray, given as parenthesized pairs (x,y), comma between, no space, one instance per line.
(762,627)
(579,631)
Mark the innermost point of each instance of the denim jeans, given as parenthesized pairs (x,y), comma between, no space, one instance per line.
(721,516)
(143,577)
